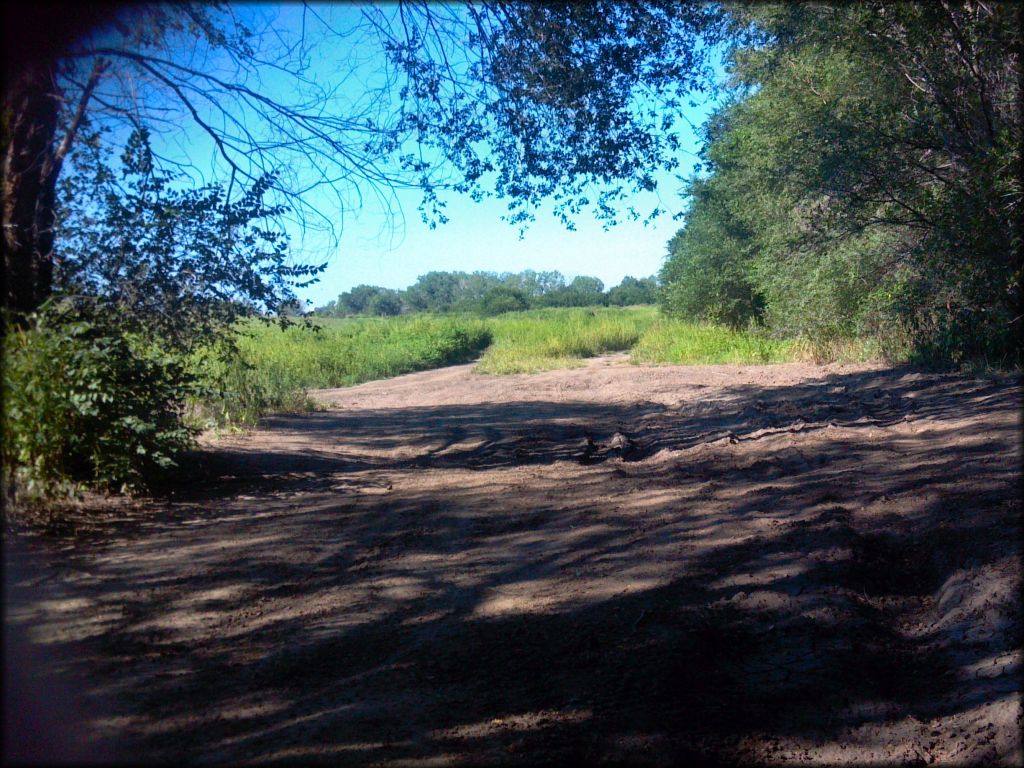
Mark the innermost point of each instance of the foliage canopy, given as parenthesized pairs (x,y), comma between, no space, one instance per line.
(864,178)
(178,265)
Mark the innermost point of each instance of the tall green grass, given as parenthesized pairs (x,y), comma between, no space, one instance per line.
(344,352)
(273,368)
(542,339)
(675,341)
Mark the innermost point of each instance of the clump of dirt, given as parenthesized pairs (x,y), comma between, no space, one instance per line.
(611,564)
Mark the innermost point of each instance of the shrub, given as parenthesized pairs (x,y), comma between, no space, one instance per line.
(385,304)
(85,404)
(502,299)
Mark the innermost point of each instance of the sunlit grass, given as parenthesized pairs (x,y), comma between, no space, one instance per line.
(683,343)
(544,339)
(838,350)
(344,352)
(274,367)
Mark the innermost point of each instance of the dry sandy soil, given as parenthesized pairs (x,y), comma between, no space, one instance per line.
(614,564)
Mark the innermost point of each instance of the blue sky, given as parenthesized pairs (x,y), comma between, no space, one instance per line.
(393,252)
(393,247)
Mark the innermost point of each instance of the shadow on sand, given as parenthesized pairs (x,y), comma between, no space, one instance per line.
(794,543)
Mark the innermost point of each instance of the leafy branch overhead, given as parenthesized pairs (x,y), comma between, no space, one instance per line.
(178,263)
(524,101)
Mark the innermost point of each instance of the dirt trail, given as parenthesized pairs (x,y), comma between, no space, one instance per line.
(614,564)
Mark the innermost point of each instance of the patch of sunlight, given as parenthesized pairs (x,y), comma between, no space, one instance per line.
(552,594)
(254,710)
(417,562)
(179,620)
(319,751)
(526,721)
(652,498)
(763,577)
(762,600)
(400,588)
(192,720)
(993,666)
(191,553)
(504,605)
(230,592)
(49,622)
(66,605)
(612,587)
(81,629)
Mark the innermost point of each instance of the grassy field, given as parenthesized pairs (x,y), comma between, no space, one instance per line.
(542,339)
(675,341)
(274,367)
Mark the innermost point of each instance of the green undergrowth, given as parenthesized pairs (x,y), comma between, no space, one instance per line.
(679,342)
(273,367)
(544,339)
(88,405)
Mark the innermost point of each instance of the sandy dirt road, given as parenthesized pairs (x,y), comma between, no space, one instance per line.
(618,564)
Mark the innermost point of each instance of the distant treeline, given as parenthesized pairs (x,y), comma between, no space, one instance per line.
(490,293)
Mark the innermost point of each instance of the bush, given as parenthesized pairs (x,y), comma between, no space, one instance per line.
(384,305)
(85,404)
(502,299)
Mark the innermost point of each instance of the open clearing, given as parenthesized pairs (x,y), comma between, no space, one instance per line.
(614,563)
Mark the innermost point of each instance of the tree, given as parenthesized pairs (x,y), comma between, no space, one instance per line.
(178,265)
(707,275)
(864,178)
(632,292)
(534,284)
(386,304)
(583,291)
(357,301)
(528,101)
(433,292)
(501,299)
(34,38)
(474,287)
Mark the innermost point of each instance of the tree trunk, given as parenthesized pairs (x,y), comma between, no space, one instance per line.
(30,109)
(35,35)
